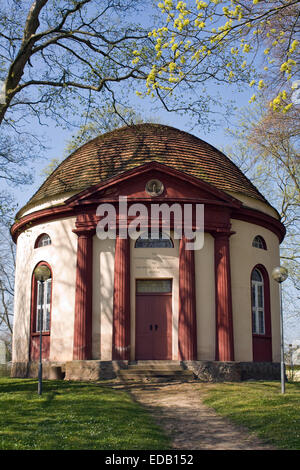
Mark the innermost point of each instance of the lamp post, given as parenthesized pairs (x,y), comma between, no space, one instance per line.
(42,273)
(279,275)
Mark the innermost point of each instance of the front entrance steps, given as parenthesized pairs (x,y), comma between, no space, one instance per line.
(155,371)
(96,370)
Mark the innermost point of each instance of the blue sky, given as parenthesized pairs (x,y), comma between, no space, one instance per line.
(57,138)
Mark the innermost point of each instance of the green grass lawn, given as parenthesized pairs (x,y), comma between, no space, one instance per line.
(73,415)
(259,406)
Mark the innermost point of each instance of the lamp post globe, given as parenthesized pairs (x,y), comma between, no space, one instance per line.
(280,274)
(41,273)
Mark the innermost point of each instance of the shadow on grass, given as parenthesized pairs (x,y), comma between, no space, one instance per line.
(73,415)
(8,385)
(262,409)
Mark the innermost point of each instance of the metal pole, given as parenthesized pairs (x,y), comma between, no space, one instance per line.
(282,368)
(40,376)
(291,362)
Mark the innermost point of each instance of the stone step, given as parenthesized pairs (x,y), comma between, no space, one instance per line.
(142,379)
(155,378)
(154,363)
(155,371)
(129,373)
(170,367)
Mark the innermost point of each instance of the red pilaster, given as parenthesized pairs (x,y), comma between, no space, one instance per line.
(121,310)
(224,324)
(82,346)
(187,332)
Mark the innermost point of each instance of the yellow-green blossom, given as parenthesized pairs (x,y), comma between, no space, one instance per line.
(294,46)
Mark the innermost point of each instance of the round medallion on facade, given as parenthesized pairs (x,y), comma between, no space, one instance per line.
(154,188)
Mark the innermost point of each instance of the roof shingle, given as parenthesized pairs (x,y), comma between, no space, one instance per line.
(113,153)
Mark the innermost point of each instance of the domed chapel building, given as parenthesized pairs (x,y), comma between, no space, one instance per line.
(114,300)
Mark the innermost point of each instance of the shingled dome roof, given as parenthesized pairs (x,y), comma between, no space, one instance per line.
(111,154)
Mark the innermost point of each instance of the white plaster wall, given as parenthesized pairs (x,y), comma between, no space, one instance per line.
(61,256)
(243,258)
(45,203)
(103,291)
(255,204)
(155,263)
(22,294)
(205,299)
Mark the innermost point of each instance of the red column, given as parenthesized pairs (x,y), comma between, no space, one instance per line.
(82,346)
(187,332)
(224,324)
(121,310)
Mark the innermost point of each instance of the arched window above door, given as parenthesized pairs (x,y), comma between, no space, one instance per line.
(162,241)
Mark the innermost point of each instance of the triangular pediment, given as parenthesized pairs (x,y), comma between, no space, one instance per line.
(177,186)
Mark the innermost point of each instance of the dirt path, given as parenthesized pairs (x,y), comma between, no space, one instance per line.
(178,408)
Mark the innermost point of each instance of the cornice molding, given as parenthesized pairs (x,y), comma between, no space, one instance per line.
(83,205)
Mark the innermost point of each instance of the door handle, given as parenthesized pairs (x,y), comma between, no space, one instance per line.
(156,327)
(151,327)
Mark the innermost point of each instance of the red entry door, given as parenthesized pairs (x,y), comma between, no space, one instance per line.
(154,324)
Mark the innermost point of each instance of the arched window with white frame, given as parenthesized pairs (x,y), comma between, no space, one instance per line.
(42,240)
(41,304)
(261,314)
(258,314)
(259,242)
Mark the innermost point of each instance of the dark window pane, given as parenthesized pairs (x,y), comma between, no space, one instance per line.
(38,318)
(49,291)
(47,320)
(40,293)
(258,242)
(260,296)
(159,240)
(254,329)
(261,322)
(253,295)
(256,276)
(154,285)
